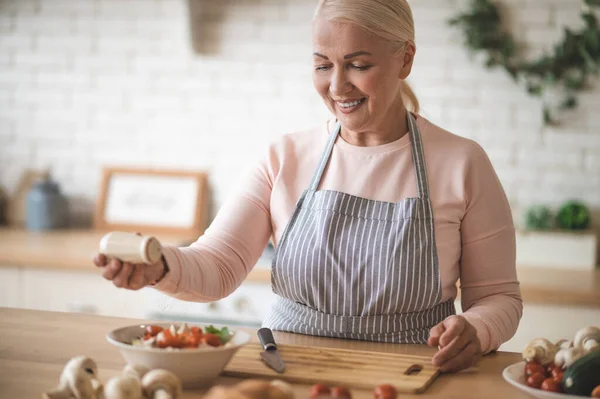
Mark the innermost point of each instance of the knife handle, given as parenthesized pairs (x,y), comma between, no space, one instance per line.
(266,338)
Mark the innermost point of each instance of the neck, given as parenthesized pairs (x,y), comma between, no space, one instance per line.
(390,130)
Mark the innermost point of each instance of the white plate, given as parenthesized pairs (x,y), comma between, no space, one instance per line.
(515,375)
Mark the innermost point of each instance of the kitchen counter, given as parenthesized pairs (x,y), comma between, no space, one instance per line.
(36,345)
(74,249)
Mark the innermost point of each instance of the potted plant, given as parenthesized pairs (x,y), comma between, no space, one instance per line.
(562,240)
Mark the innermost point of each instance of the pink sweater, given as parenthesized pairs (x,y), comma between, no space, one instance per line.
(473,223)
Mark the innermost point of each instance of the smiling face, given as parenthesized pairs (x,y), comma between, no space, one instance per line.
(358,75)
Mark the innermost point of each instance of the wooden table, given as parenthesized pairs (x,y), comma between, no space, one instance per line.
(35,345)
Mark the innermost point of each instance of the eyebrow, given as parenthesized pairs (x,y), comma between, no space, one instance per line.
(347,56)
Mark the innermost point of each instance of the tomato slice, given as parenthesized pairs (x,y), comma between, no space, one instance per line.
(152,331)
(165,339)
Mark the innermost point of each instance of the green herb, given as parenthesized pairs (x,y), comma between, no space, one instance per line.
(224,334)
(573,215)
(566,68)
(539,217)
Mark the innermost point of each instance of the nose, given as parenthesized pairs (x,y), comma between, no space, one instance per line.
(339,84)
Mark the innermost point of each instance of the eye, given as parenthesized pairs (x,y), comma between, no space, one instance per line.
(321,68)
(361,67)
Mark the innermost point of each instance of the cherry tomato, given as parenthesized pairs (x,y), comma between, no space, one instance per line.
(319,390)
(551,385)
(211,339)
(341,392)
(190,340)
(153,330)
(550,366)
(385,392)
(557,374)
(535,380)
(596,392)
(534,367)
(196,331)
(554,369)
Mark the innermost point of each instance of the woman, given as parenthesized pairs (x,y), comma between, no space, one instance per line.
(375,216)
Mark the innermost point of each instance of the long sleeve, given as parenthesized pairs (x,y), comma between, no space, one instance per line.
(490,293)
(219,261)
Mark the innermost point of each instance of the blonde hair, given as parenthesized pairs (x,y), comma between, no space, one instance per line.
(391,20)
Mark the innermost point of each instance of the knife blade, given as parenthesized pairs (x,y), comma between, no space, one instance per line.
(270,355)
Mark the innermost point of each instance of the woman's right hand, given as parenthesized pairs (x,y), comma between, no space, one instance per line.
(128,275)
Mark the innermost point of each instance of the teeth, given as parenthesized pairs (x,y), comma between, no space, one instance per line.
(352,104)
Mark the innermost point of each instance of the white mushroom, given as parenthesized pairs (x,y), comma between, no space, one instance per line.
(135,370)
(284,387)
(563,344)
(79,379)
(123,387)
(566,357)
(161,384)
(588,339)
(540,349)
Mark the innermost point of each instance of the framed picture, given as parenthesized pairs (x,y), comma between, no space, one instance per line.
(153,201)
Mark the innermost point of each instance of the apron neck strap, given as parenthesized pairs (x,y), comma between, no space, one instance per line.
(416,144)
(314,183)
(417,151)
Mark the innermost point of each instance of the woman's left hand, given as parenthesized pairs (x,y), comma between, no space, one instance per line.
(459,346)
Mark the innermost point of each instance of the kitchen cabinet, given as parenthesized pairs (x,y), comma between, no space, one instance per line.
(10,293)
(83,292)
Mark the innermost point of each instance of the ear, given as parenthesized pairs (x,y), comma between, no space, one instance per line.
(408,57)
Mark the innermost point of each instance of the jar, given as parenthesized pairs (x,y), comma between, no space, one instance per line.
(46,207)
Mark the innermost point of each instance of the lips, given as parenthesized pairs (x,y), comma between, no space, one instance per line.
(347,106)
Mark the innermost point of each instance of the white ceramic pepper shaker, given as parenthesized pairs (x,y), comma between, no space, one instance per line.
(129,247)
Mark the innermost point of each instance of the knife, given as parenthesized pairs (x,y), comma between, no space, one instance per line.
(270,355)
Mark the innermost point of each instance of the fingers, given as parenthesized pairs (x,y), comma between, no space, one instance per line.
(111,270)
(137,280)
(452,350)
(121,280)
(100,260)
(466,358)
(434,335)
(455,325)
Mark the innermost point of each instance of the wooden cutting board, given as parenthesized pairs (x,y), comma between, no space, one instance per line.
(338,367)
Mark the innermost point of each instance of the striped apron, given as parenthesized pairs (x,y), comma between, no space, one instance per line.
(350,267)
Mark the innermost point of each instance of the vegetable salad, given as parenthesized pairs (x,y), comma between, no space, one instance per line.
(183,337)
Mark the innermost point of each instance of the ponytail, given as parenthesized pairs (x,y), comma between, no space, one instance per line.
(409,98)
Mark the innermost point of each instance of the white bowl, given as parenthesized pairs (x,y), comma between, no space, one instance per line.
(195,367)
(515,375)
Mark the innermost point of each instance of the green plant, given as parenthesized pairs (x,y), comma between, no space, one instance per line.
(567,67)
(538,217)
(573,215)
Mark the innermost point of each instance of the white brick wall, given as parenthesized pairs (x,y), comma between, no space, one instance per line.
(84,84)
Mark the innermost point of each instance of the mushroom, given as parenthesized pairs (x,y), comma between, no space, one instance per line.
(588,339)
(161,384)
(123,387)
(136,370)
(566,357)
(222,392)
(541,350)
(284,387)
(563,344)
(260,389)
(78,379)
(128,385)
